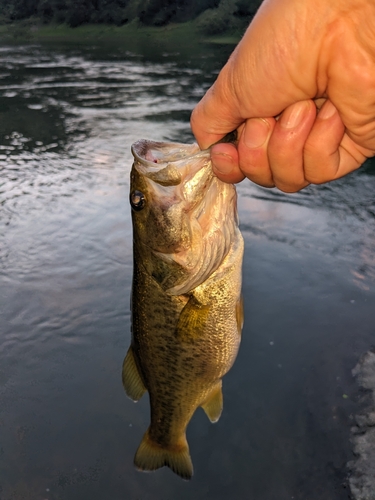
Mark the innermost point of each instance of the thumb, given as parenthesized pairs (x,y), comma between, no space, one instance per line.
(265,74)
(215,116)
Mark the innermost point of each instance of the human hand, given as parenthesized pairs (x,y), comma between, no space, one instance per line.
(296,56)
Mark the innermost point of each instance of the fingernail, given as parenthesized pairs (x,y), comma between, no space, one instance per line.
(293,115)
(255,133)
(328,110)
(222,163)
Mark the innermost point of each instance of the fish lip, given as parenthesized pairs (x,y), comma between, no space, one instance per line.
(139,150)
(172,164)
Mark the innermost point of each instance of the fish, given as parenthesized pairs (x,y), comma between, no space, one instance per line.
(186,303)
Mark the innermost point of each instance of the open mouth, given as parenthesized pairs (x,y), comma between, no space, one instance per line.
(162,152)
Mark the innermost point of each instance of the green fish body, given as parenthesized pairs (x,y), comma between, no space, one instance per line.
(186,295)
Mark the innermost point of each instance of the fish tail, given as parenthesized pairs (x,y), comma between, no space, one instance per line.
(151,456)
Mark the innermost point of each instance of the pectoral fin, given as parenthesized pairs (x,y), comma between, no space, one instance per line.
(213,406)
(192,319)
(131,379)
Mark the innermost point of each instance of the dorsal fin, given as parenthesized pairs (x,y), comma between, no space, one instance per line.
(239,314)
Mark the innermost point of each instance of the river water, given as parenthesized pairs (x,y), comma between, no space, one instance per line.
(68,115)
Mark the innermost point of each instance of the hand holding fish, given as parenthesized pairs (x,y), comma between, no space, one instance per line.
(296,57)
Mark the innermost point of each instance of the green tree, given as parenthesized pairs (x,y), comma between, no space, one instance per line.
(214,15)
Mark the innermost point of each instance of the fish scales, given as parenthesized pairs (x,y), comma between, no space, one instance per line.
(186,295)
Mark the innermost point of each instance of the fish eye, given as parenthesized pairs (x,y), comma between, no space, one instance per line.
(137,200)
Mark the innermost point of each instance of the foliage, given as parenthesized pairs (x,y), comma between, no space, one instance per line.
(159,12)
(229,14)
(246,8)
(214,16)
(213,22)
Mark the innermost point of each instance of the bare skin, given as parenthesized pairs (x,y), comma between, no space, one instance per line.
(300,90)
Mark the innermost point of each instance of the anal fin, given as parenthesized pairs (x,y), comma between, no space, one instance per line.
(213,405)
(131,379)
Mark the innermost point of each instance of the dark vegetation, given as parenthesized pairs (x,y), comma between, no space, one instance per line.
(211,16)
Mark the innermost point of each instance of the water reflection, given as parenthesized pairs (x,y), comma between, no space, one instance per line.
(68,115)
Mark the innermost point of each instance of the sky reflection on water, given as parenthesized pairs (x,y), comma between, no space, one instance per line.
(67,119)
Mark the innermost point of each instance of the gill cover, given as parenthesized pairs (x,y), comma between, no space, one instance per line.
(184,218)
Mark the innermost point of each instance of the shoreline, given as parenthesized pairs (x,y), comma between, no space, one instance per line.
(32,31)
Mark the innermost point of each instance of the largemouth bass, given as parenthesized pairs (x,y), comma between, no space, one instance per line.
(186,296)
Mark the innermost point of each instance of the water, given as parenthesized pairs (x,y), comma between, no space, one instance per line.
(68,115)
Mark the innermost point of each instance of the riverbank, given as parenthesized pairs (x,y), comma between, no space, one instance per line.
(31,31)
(362,480)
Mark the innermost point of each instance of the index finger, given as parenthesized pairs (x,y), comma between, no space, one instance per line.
(214,116)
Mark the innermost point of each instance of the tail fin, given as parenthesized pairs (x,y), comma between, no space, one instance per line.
(151,456)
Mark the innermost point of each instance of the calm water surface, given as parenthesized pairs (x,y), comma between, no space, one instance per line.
(68,115)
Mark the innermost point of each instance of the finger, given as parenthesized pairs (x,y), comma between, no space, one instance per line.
(252,150)
(225,163)
(286,146)
(265,73)
(215,115)
(329,152)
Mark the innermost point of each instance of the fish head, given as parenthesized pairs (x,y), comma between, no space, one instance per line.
(183,216)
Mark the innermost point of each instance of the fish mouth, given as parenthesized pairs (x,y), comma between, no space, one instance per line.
(174,164)
(154,154)
(182,174)
(181,169)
